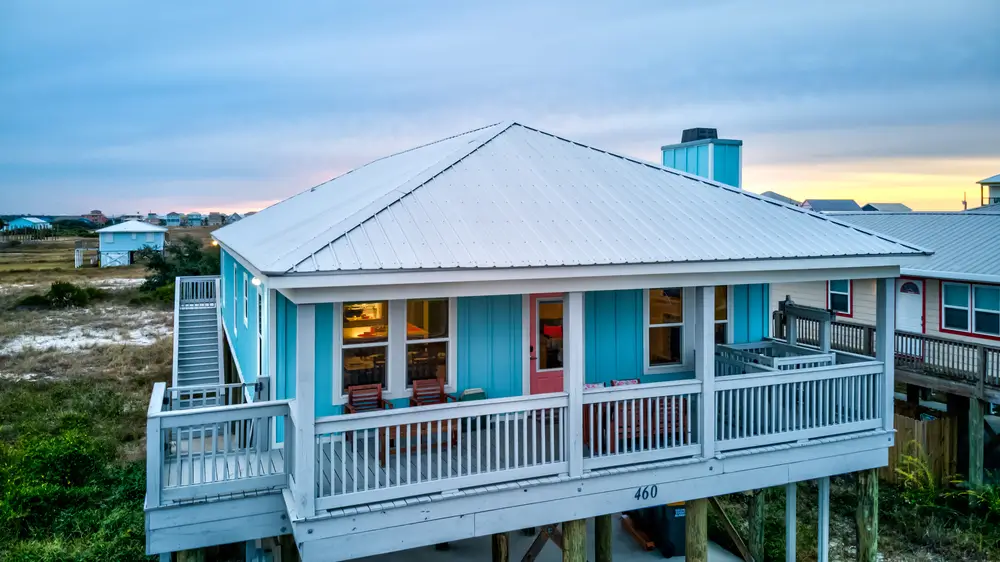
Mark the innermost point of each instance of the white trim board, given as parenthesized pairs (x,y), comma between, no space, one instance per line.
(423,287)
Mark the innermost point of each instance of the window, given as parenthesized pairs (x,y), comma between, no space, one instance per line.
(365,346)
(549,335)
(109,237)
(149,237)
(260,333)
(236,301)
(986,310)
(666,327)
(955,306)
(135,236)
(721,314)
(427,334)
(839,297)
(971,308)
(246,300)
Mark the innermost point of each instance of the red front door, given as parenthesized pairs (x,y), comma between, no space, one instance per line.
(546,341)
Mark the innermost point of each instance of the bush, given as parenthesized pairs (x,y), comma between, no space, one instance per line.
(63,295)
(163,296)
(182,257)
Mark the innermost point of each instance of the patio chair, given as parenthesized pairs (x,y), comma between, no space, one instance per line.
(365,398)
(430,391)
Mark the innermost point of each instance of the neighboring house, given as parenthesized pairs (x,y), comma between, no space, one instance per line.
(830,205)
(173,219)
(119,243)
(195,219)
(153,218)
(569,299)
(782,198)
(235,217)
(989,190)
(887,208)
(96,217)
(27,223)
(216,219)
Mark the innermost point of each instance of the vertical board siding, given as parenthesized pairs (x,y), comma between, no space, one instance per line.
(726,162)
(691,159)
(123,242)
(284,376)
(243,338)
(751,312)
(489,345)
(324,361)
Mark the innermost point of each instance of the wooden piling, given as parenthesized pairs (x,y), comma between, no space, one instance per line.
(977,411)
(913,394)
(574,540)
(866,516)
(696,532)
(501,547)
(756,525)
(603,529)
(193,555)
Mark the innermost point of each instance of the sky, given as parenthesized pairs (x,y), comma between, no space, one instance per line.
(184,106)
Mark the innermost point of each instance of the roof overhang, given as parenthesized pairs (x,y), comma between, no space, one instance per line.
(951,275)
(304,289)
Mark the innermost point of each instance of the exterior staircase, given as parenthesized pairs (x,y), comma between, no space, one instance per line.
(197,332)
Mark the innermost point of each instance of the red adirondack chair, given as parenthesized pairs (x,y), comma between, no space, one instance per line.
(430,391)
(365,398)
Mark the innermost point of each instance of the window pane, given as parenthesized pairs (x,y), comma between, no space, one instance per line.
(841,286)
(550,335)
(665,346)
(364,365)
(840,303)
(427,361)
(721,303)
(720,332)
(988,323)
(426,319)
(956,319)
(666,306)
(956,295)
(988,298)
(366,322)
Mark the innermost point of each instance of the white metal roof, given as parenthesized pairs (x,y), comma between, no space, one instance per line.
(133,226)
(964,244)
(509,196)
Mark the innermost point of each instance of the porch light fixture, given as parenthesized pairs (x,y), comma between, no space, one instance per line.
(255,282)
(215,242)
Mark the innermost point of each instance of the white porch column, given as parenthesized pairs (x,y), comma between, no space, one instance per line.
(573,378)
(704,364)
(790,508)
(305,409)
(823,552)
(885,343)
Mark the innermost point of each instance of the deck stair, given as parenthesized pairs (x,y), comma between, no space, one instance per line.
(197,332)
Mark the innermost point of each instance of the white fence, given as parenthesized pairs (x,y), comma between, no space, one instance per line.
(377,456)
(758,410)
(211,451)
(640,423)
(197,290)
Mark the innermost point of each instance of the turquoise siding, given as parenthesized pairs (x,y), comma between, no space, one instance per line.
(243,337)
(691,159)
(124,241)
(286,315)
(324,362)
(22,222)
(727,164)
(173,221)
(489,345)
(751,312)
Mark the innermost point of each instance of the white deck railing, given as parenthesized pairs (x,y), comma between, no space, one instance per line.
(640,423)
(766,409)
(379,456)
(211,451)
(197,290)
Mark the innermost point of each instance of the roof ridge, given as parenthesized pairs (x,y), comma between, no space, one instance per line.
(400,191)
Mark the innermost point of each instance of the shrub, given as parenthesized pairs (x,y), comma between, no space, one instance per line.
(63,294)
(163,296)
(185,256)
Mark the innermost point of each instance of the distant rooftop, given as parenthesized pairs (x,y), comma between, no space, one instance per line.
(887,207)
(831,205)
(780,197)
(994,179)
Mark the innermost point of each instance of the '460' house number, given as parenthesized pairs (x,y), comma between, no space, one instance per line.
(645,492)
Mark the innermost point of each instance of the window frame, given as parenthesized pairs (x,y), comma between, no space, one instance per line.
(970,310)
(850,298)
(450,360)
(340,347)
(729,314)
(687,333)
(236,299)
(109,237)
(260,332)
(135,236)
(246,300)
(150,237)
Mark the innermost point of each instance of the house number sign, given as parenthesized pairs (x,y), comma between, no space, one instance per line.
(645,492)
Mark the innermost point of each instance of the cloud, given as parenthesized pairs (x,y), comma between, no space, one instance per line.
(183,104)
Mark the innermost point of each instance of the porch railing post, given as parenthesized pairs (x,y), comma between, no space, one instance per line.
(885,320)
(305,410)
(573,381)
(154,446)
(704,365)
